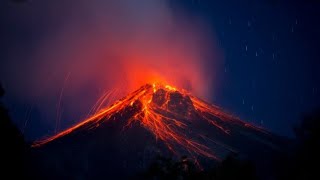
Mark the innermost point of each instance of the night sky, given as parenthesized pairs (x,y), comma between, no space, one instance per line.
(268,71)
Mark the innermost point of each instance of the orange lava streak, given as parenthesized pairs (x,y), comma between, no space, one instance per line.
(218,112)
(94,118)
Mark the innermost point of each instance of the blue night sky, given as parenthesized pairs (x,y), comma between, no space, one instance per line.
(270,71)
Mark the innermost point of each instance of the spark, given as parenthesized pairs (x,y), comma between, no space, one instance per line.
(28,114)
(58,118)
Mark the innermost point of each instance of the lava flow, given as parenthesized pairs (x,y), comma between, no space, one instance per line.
(169,114)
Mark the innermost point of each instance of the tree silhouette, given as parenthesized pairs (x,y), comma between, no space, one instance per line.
(307,157)
(12,146)
(167,168)
(303,162)
(231,168)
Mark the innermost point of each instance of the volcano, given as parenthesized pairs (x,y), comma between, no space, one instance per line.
(155,120)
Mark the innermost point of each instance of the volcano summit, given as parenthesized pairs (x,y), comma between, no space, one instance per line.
(154,120)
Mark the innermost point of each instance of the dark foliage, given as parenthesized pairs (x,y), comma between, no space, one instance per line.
(166,168)
(231,168)
(303,162)
(12,146)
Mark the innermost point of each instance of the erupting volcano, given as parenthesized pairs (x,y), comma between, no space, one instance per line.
(184,123)
(155,120)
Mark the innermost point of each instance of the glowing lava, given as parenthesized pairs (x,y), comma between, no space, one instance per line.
(168,113)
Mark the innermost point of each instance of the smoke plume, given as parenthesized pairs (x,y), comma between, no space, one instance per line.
(81,49)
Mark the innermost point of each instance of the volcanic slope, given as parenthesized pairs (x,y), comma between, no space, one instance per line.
(155,120)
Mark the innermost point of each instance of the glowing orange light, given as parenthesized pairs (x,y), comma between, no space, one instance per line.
(170,88)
